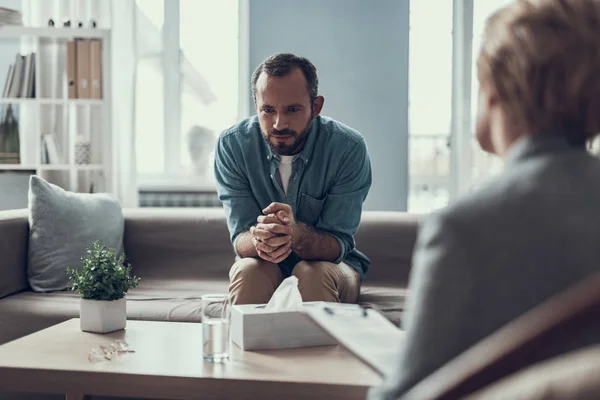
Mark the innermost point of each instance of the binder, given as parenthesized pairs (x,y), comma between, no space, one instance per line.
(71,70)
(96,68)
(83,68)
(364,332)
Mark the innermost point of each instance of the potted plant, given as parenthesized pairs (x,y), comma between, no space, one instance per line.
(102,282)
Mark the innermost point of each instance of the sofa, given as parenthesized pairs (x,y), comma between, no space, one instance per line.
(181,254)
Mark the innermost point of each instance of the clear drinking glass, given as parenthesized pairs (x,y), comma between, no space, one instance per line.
(215,327)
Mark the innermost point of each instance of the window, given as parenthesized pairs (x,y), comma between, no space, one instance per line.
(187,88)
(430,102)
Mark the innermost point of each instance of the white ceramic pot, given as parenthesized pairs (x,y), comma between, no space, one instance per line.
(102,316)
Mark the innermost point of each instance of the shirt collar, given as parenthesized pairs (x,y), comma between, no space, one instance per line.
(308,146)
(533,145)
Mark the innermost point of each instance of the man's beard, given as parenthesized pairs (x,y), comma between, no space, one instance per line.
(285,149)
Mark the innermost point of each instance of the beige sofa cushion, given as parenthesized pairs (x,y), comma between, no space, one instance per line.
(155,300)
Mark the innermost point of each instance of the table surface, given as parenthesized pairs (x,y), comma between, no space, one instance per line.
(168,363)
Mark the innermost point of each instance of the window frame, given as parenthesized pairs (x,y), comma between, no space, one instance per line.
(174,177)
(461,151)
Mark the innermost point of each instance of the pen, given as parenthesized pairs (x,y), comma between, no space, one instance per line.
(363,308)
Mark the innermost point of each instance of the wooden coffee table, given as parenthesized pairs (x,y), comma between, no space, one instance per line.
(168,364)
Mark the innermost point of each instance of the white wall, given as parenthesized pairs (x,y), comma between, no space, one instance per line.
(360,49)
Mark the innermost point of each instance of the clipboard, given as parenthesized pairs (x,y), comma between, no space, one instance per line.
(364,332)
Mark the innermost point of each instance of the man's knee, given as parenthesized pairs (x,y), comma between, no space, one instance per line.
(326,281)
(315,281)
(253,281)
(313,272)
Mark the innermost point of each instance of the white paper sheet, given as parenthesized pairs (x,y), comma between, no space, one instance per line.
(371,337)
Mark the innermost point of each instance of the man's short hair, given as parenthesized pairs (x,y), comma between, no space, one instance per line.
(542,59)
(282,64)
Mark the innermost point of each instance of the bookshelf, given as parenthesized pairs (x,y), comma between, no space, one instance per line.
(66,120)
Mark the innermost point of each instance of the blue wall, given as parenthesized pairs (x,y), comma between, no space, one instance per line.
(360,48)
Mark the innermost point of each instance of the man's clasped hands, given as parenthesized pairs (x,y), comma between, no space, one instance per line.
(273,234)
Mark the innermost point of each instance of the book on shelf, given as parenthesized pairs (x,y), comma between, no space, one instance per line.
(84,69)
(96,69)
(51,150)
(8,81)
(71,66)
(20,80)
(82,53)
(83,72)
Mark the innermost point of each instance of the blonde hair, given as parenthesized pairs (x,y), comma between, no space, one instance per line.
(542,60)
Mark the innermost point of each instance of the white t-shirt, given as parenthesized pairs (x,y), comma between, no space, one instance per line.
(285,171)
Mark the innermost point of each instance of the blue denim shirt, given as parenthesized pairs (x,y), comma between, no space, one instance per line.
(330,180)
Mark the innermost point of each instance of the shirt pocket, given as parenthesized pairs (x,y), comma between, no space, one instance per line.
(310,208)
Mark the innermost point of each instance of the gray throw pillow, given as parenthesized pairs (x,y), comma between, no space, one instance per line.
(62,225)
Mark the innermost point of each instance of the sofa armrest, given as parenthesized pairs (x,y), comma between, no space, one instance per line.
(388,239)
(14,239)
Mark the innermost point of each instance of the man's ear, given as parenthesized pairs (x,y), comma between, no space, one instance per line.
(317,106)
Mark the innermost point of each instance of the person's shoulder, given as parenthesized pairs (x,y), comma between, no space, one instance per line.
(243,130)
(494,203)
(338,131)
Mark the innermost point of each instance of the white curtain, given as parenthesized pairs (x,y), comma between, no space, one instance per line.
(119,16)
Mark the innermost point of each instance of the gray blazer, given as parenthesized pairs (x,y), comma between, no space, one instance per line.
(497,253)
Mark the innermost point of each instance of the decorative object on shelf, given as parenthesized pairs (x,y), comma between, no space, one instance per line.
(66,23)
(103,281)
(9,137)
(82,150)
(50,22)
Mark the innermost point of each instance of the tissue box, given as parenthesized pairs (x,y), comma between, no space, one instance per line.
(254,328)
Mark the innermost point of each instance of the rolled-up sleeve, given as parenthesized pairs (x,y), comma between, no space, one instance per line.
(343,206)
(233,188)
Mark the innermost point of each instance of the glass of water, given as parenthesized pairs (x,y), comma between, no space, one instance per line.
(215,327)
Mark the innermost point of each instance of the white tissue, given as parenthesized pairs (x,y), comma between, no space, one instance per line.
(287,296)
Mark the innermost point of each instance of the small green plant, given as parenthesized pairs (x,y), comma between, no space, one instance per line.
(103,276)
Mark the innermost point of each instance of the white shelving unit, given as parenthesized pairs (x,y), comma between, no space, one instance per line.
(88,117)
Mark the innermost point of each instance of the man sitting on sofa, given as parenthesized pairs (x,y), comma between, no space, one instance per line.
(292,183)
(494,255)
